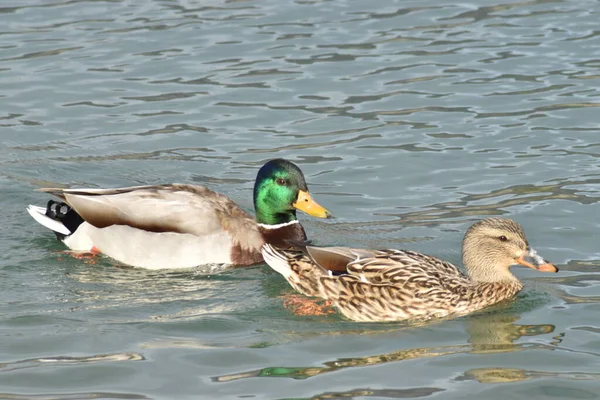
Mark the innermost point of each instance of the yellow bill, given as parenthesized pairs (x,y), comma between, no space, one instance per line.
(305,203)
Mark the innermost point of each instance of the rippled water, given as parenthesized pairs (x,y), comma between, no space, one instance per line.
(411,120)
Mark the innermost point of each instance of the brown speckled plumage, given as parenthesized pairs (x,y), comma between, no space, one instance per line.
(392,285)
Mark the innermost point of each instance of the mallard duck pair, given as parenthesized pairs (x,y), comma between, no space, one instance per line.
(182,226)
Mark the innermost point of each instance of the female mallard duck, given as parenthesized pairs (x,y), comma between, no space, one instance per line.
(181,226)
(395,285)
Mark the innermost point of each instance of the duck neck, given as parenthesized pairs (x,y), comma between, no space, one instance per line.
(494,292)
(268,218)
(269,211)
(280,235)
(491,275)
(479,295)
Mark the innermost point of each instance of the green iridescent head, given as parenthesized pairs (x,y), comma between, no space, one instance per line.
(280,189)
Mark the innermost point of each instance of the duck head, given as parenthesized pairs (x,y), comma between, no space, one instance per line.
(279,190)
(493,245)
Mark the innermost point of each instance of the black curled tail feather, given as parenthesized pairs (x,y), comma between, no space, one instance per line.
(64,213)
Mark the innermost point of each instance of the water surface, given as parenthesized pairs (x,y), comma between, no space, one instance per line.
(411,120)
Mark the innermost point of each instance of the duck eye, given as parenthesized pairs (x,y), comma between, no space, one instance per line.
(503,238)
(280,181)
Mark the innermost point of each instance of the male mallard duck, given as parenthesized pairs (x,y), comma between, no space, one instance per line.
(181,226)
(395,285)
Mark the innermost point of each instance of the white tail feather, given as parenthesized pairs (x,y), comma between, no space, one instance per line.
(39,214)
(276,260)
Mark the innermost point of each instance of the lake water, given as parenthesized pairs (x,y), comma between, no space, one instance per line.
(411,120)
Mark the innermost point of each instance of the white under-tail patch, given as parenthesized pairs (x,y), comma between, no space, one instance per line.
(276,260)
(80,240)
(39,214)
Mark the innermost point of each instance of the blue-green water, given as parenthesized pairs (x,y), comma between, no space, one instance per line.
(411,120)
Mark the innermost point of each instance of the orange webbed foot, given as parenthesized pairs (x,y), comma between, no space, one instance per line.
(87,256)
(305,306)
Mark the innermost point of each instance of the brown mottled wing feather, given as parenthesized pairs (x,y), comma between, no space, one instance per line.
(395,285)
(299,270)
(399,267)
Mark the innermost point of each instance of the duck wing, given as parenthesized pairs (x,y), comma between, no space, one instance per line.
(160,208)
(394,285)
(401,267)
(201,222)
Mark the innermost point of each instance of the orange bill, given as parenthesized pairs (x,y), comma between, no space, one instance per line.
(305,203)
(531,259)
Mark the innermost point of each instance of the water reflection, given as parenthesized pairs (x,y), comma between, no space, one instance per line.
(585,276)
(74,396)
(66,360)
(411,393)
(173,294)
(497,333)
(488,333)
(505,375)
